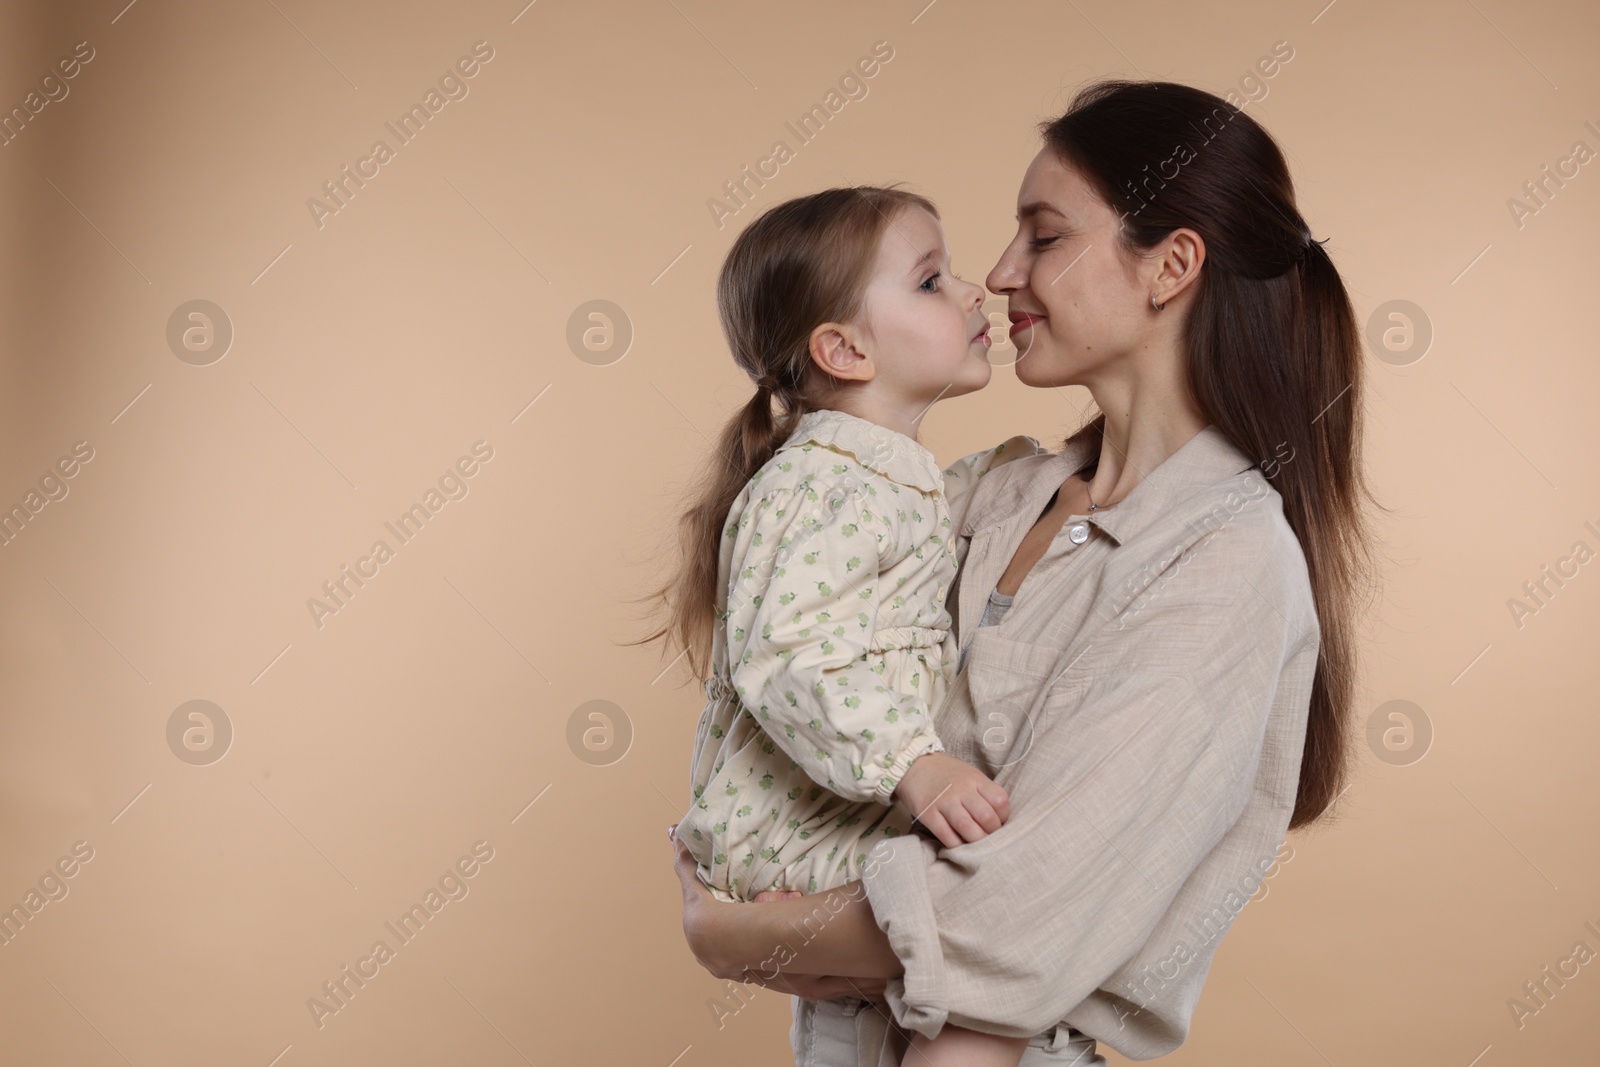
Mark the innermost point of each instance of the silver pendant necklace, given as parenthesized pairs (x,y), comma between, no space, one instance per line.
(1086,478)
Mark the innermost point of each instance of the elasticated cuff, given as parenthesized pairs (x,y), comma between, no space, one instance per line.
(921,742)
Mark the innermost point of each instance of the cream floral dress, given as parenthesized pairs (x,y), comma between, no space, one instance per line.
(832,648)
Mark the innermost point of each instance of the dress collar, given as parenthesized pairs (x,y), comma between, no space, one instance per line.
(1206,459)
(889,452)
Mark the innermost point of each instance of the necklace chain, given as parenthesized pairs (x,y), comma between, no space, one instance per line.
(1092,504)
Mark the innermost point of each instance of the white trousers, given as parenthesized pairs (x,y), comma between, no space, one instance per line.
(848,1032)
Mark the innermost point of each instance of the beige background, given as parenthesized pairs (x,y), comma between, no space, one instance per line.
(370,753)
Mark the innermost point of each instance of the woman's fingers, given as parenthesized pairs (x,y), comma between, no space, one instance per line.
(695,893)
(694,890)
(701,926)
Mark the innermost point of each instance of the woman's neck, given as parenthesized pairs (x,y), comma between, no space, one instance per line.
(1138,437)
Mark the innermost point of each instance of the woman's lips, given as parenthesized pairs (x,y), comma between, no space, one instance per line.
(1022,320)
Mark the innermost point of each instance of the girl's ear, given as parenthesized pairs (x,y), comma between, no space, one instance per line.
(837,350)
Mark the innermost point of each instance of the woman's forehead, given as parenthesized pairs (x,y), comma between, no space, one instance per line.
(1052,187)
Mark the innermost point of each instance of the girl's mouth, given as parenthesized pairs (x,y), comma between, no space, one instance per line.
(983,337)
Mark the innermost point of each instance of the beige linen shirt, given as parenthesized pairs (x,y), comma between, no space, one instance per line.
(1144,702)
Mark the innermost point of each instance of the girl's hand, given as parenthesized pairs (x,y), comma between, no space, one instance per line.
(952,798)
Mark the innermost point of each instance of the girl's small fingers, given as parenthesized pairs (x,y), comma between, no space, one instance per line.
(997,796)
(936,822)
(964,825)
(984,815)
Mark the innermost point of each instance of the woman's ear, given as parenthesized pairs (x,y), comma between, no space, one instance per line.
(1179,264)
(836,348)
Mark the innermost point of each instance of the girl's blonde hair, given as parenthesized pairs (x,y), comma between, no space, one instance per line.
(800,264)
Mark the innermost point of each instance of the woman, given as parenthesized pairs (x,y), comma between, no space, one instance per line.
(1156,623)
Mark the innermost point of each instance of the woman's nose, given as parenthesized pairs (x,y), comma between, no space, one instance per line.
(1007,274)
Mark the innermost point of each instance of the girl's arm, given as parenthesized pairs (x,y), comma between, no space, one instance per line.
(802,610)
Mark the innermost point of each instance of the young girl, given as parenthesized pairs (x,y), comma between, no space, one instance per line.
(820,554)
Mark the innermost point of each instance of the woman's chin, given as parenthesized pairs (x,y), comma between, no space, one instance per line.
(1036,373)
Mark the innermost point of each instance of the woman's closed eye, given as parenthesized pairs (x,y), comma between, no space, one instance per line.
(1043,242)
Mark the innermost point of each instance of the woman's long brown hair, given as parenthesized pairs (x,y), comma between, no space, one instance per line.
(1274,354)
(800,264)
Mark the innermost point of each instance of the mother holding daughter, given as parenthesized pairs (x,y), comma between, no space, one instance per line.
(1002,813)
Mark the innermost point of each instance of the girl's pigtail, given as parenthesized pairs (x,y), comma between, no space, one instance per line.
(800,264)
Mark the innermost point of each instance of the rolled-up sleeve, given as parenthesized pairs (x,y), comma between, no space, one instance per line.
(1140,754)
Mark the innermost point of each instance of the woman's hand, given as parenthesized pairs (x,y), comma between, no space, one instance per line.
(700,914)
(706,933)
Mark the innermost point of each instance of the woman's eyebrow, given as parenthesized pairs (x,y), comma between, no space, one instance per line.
(1039,207)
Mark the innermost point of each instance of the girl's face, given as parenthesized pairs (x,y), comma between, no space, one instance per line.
(924,327)
(1077,304)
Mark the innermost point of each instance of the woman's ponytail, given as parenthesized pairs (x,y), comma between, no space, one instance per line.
(1274,353)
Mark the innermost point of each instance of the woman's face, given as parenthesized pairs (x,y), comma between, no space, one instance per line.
(1078,304)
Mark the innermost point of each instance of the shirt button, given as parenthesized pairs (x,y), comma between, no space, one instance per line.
(1078,532)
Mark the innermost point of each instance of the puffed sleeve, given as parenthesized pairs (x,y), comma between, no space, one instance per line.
(802,618)
(1132,761)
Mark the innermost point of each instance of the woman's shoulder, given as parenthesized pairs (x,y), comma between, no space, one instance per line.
(991,465)
(1236,536)
(968,470)
(1284,553)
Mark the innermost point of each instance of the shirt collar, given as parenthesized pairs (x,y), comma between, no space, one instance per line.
(1206,459)
(889,452)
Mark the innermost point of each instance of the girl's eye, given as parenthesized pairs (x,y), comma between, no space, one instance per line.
(928,285)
